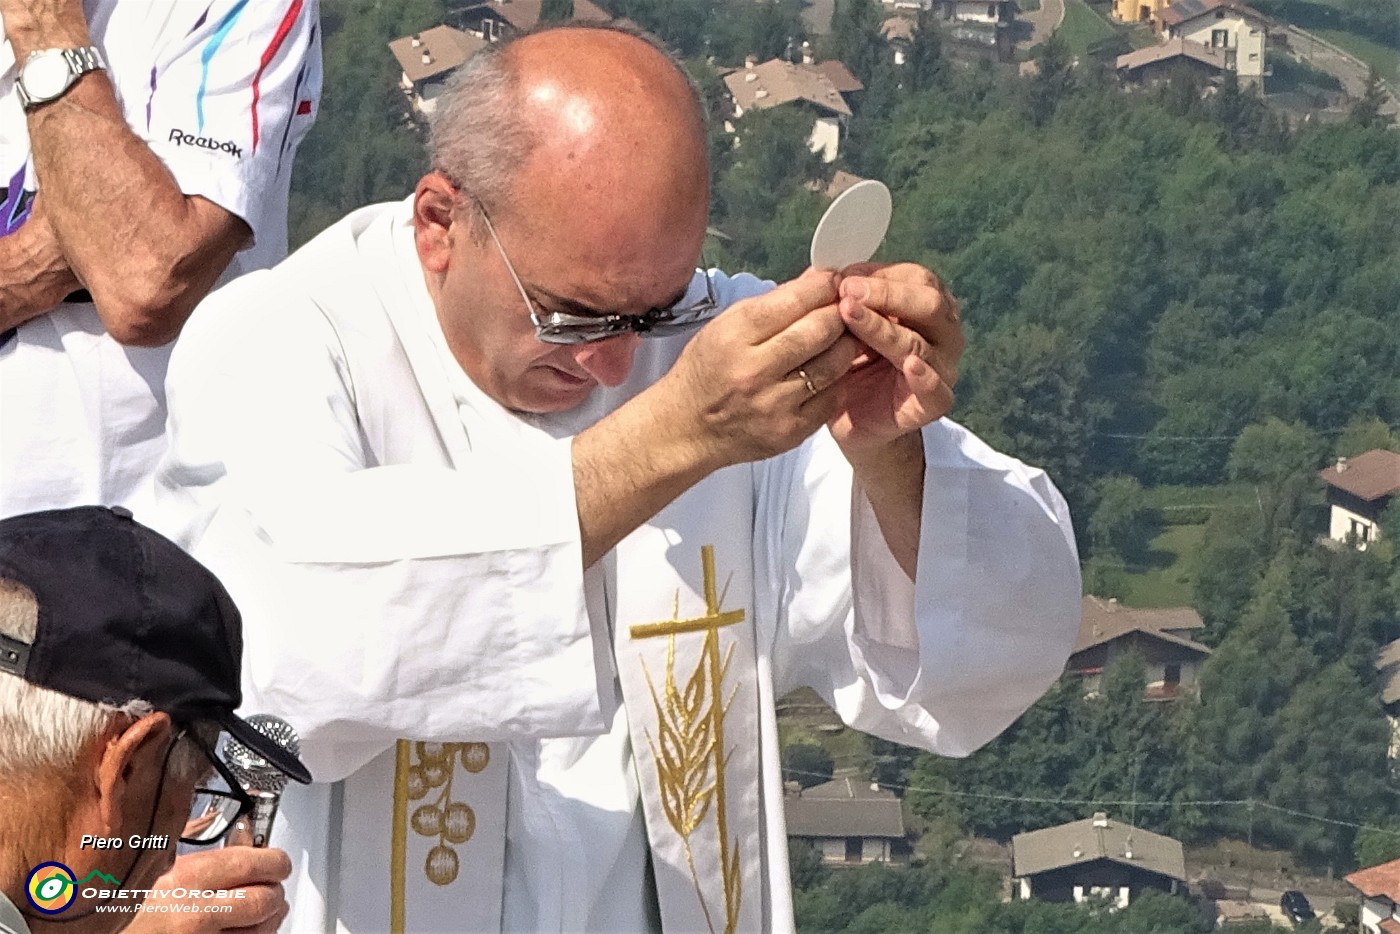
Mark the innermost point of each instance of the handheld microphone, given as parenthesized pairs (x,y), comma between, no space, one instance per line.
(261,779)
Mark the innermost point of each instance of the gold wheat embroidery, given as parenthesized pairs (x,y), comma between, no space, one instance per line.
(689,748)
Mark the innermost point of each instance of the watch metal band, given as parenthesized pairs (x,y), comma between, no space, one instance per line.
(83,60)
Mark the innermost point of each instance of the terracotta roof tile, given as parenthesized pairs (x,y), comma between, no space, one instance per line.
(777,82)
(1183,11)
(1105,620)
(1381,881)
(1082,842)
(844,808)
(438,50)
(1172,48)
(1368,476)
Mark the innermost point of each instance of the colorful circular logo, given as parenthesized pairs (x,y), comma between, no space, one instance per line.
(51,888)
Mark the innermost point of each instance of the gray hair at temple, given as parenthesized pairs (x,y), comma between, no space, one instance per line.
(476,137)
(45,731)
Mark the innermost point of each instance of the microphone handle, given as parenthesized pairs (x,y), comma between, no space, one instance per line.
(254,828)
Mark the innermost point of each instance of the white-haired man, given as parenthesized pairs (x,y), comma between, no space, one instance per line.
(119,659)
(529,584)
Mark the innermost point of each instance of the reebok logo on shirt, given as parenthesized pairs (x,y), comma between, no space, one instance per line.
(181,138)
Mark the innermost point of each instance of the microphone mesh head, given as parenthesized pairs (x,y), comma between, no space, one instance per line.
(252,770)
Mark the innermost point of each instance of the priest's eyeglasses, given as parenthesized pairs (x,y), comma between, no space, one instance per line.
(561,328)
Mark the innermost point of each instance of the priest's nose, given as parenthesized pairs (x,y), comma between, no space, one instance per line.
(608,361)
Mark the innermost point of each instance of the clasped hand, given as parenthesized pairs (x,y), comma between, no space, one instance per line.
(871,352)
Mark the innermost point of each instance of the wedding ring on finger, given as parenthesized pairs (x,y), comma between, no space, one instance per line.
(806,380)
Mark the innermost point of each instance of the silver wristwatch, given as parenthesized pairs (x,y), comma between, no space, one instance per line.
(47,74)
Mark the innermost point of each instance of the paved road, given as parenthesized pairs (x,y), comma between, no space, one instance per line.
(1324,55)
(1043,22)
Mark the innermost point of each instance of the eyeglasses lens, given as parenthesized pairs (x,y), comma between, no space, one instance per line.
(211,815)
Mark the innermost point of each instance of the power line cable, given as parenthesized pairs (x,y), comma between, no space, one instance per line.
(1113,802)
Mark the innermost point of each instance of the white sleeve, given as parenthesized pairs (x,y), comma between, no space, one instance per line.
(379,601)
(230,100)
(949,661)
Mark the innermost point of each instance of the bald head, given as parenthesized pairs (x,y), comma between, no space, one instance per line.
(574,112)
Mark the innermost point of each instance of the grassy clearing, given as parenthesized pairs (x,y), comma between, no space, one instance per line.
(1169,579)
(1082,27)
(804,718)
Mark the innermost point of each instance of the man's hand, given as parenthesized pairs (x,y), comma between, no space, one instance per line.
(34,273)
(737,393)
(250,878)
(911,324)
(31,25)
(761,377)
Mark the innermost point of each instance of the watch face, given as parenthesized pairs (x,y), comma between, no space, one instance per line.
(45,76)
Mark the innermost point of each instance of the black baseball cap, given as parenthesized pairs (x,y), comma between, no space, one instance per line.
(125,614)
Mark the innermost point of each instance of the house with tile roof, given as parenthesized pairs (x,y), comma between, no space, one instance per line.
(812,87)
(1162,637)
(1239,31)
(1158,62)
(1095,859)
(1380,897)
(427,58)
(849,821)
(494,20)
(1358,491)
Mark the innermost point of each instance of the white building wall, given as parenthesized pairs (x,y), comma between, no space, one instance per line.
(826,138)
(1345,522)
(1244,38)
(1372,914)
(971,11)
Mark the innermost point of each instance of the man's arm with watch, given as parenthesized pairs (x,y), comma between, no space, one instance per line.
(145,251)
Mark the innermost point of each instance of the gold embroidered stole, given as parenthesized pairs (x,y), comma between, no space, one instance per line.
(689,685)
(448,829)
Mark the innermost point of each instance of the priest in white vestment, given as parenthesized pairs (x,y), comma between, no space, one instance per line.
(526,557)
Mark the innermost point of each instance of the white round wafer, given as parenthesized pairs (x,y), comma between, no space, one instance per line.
(853,226)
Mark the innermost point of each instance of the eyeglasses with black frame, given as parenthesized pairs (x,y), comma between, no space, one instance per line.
(561,328)
(214,811)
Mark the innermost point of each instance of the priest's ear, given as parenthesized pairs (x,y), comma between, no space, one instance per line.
(437,207)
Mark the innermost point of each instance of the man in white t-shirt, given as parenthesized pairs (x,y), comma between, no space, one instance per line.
(145,156)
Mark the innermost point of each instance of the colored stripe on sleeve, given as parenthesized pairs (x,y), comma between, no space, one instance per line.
(150,98)
(210,48)
(283,28)
(15,209)
(302,107)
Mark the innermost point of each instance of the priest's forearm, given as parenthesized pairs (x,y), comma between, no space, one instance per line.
(893,481)
(627,467)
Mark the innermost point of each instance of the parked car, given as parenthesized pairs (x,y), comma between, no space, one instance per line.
(1295,905)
